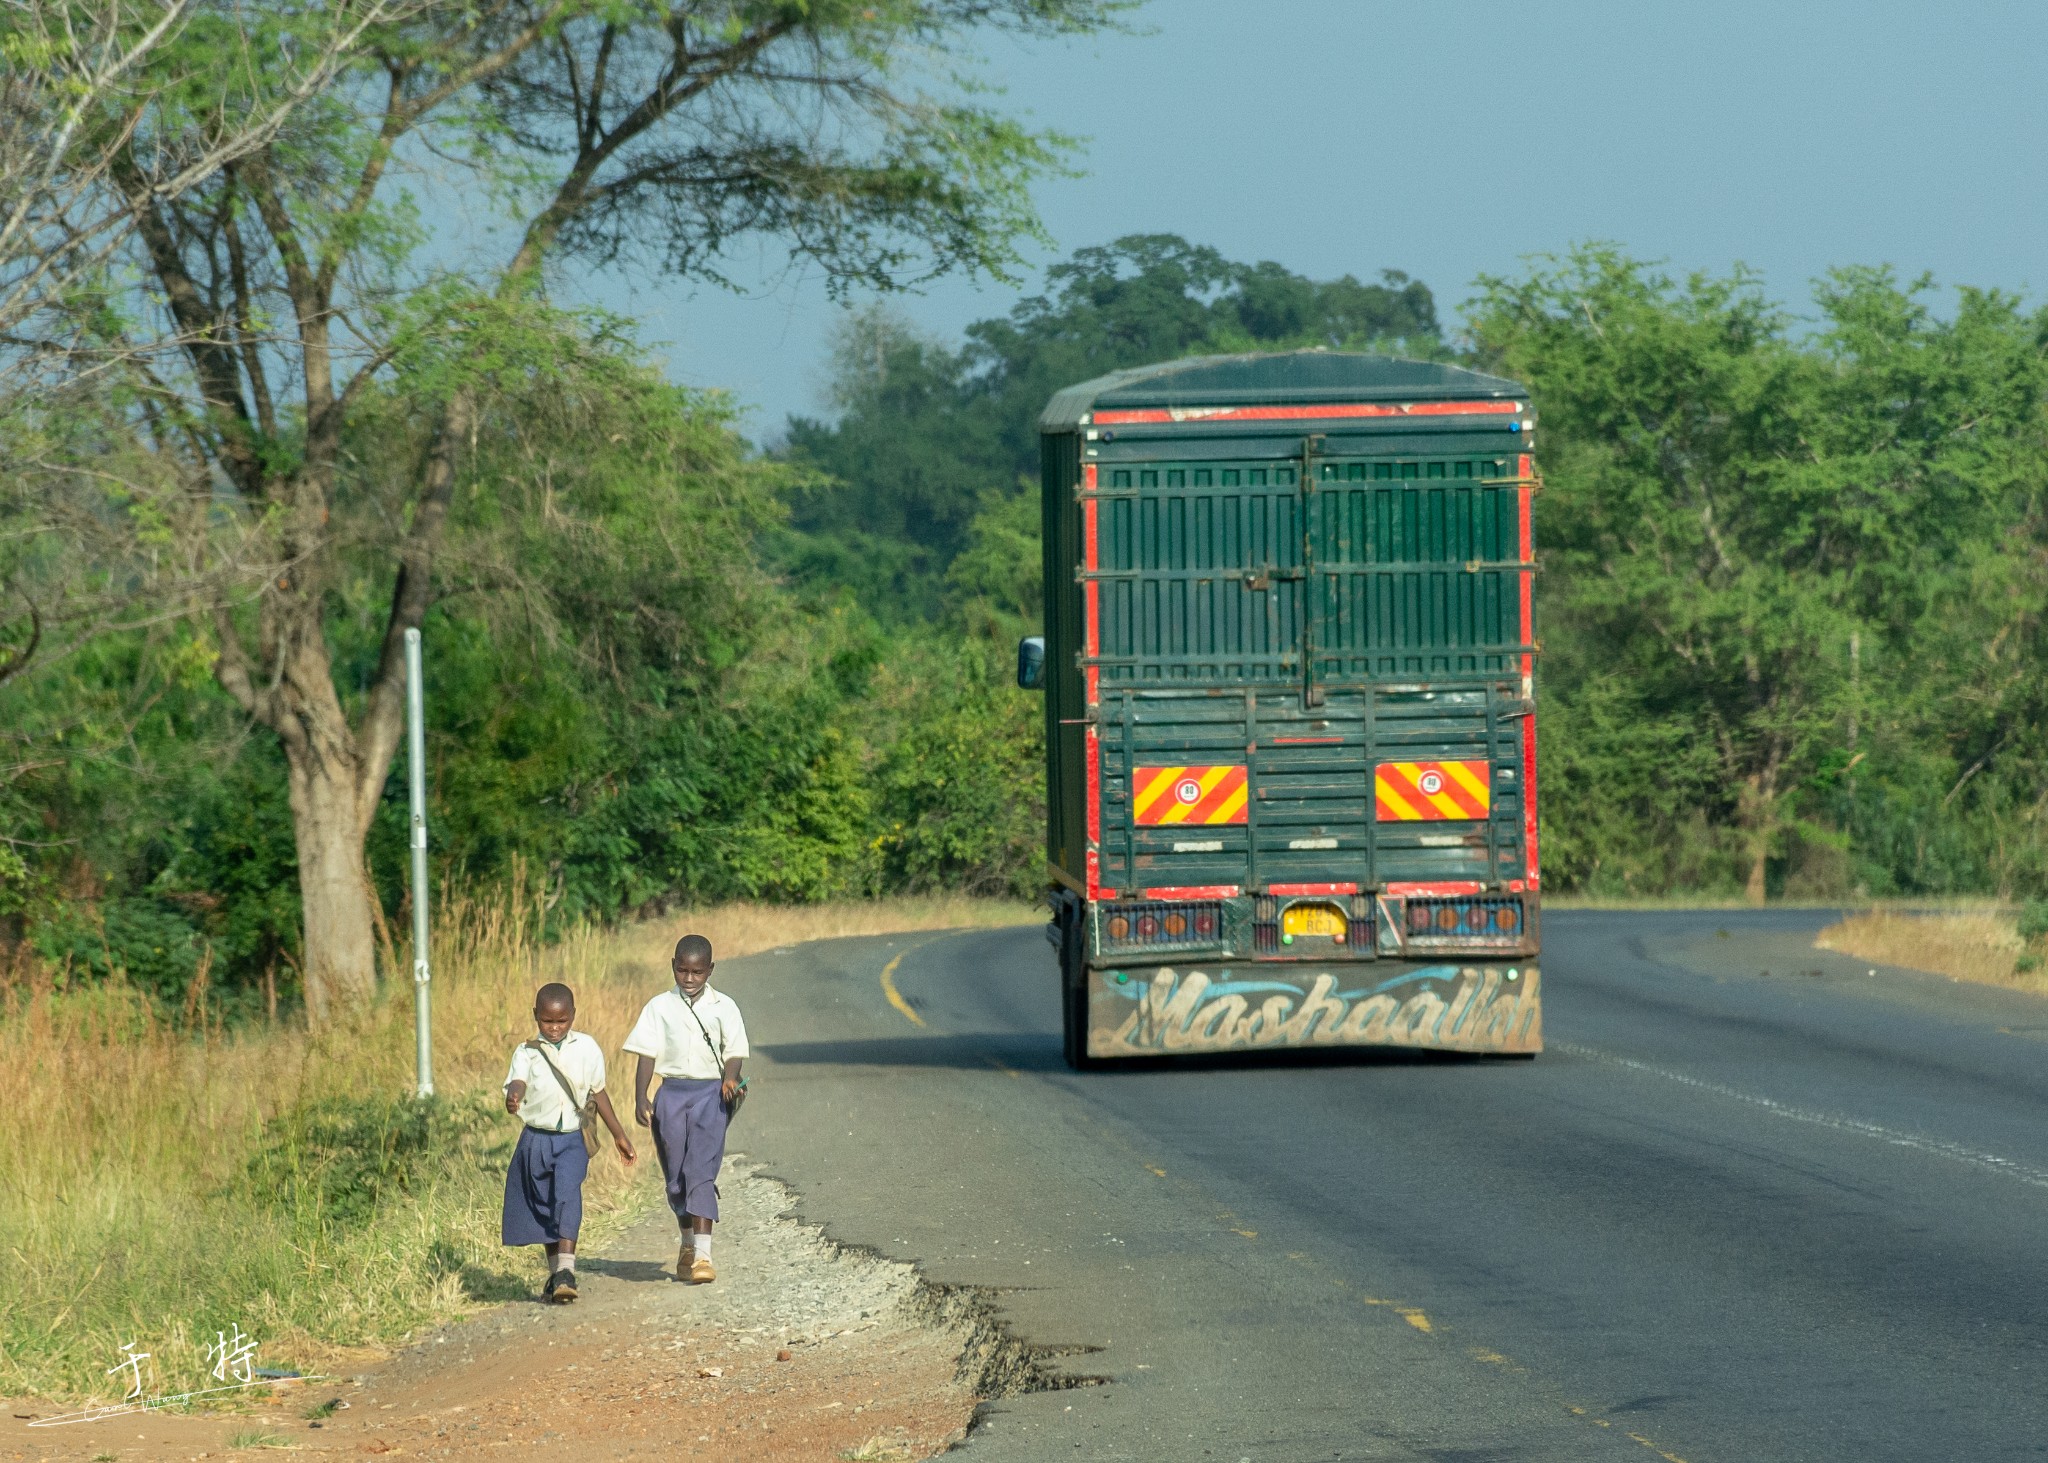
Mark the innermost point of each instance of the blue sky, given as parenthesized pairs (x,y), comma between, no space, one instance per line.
(1347,136)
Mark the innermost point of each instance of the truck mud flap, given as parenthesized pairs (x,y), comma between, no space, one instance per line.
(1156,1011)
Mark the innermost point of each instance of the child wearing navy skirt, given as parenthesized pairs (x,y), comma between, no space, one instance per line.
(554,1081)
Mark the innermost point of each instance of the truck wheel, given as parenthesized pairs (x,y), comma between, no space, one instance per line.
(1074,1024)
(1073,991)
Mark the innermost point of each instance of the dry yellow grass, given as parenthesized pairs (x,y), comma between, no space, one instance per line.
(127,1211)
(1981,945)
(750,929)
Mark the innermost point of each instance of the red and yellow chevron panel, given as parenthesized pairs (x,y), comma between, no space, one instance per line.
(1423,792)
(1187,795)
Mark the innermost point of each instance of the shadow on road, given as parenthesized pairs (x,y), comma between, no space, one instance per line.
(972,1051)
(968,1052)
(643,1271)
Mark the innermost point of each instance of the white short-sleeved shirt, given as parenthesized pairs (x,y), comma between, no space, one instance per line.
(667,1031)
(545,1107)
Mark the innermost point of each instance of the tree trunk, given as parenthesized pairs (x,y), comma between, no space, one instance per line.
(1758,855)
(340,942)
(331,799)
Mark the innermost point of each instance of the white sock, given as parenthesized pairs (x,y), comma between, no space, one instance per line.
(566,1260)
(700,1246)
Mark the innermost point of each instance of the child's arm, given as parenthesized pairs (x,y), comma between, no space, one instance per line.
(643,1110)
(611,1120)
(731,1088)
(515,1093)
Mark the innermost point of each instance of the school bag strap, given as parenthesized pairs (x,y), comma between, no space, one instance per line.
(717,1047)
(584,1110)
(732,1109)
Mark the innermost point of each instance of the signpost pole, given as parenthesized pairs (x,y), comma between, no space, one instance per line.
(416,762)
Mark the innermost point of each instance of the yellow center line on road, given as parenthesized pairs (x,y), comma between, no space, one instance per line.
(895,996)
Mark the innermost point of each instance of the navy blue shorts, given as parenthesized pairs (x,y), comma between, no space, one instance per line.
(544,1189)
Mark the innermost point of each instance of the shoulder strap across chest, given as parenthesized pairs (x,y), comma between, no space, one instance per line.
(717,1047)
(561,1078)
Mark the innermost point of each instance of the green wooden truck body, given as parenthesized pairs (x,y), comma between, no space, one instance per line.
(1290,711)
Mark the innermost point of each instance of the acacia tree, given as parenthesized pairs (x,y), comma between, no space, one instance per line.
(174,90)
(620,131)
(196,83)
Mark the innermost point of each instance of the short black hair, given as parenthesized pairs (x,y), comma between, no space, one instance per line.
(693,945)
(554,993)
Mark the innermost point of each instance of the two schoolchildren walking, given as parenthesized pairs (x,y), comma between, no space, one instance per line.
(690,1036)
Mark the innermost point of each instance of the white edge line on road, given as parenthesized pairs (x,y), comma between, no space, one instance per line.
(1938,1147)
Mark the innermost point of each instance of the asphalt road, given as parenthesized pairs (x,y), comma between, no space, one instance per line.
(1754,1203)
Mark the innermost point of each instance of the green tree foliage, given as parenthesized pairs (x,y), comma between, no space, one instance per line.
(929,438)
(1792,600)
(1792,593)
(277,291)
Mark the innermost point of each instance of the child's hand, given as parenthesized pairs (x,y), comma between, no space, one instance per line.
(625,1147)
(514,1095)
(730,1090)
(643,1112)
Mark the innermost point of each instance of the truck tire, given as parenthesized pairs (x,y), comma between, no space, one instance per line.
(1074,1023)
(1073,988)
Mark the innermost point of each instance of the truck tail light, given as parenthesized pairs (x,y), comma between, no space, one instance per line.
(1160,925)
(1475,919)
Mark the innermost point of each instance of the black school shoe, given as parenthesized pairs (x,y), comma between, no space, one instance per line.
(561,1287)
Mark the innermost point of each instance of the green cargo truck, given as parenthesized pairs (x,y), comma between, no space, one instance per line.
(1290,718)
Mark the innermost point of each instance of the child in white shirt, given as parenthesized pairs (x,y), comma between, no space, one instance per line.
(693,1037)
(552,1079)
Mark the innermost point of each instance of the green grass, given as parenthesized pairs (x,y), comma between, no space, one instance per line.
(254,1438)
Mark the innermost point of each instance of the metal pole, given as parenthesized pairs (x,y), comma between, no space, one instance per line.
(416,760)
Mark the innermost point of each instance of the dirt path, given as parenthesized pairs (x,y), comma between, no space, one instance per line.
(798,1351)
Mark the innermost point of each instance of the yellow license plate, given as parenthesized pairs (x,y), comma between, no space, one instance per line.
(1313,919)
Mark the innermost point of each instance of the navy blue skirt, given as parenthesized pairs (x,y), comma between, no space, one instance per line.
(544,1189)
(689,1139)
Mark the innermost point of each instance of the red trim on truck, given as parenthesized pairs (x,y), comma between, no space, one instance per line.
(1194,891)
(1445,890)
(1138,416)
(1528,577)
(1311,889)
(1091,643)
(1529,795)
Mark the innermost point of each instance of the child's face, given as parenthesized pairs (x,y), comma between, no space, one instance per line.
(692,971)
(554,1019)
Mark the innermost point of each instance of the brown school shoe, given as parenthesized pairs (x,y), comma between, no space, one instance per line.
(683,1263)
(561,1287)
(701,1272)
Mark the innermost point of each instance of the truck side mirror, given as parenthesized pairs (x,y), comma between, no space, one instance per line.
(1031,662)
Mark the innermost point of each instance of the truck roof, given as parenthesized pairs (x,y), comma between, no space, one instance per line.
(1303,377)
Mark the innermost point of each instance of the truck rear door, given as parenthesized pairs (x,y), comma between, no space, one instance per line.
(1311,668)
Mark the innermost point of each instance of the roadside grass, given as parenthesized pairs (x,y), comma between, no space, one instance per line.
(1683,901)
(1984,945)
(167,1185)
